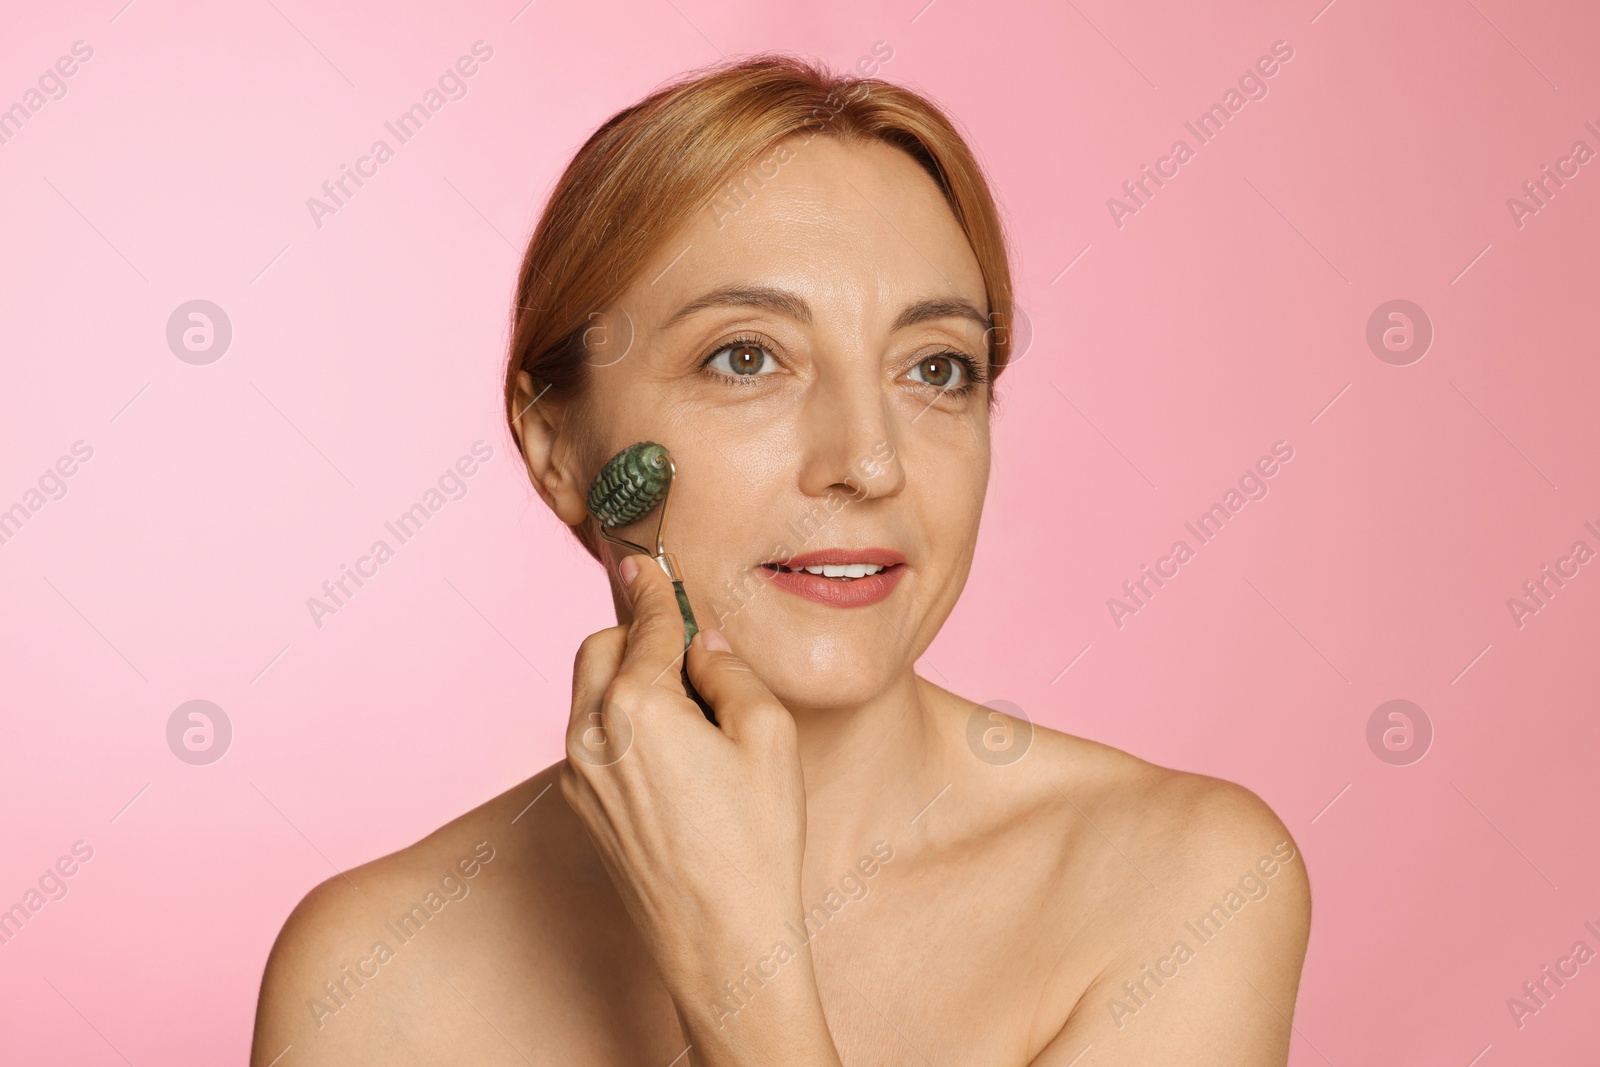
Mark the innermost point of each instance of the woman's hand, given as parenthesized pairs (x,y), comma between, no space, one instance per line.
(702,829)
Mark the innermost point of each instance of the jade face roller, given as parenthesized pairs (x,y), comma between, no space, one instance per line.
(627,489)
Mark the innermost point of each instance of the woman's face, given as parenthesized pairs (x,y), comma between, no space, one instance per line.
(807,353)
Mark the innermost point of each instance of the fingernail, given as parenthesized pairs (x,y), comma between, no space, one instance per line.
(715,641)
(629,570)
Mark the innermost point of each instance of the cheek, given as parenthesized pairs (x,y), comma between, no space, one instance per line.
(948,485)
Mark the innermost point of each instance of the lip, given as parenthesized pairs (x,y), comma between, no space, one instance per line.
(856,593)
(882,557)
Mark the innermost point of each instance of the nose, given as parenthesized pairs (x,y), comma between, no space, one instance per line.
(850,439)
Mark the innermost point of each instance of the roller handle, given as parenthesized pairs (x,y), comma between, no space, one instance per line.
(690,628)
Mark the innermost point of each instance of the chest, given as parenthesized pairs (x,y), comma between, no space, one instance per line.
(910,968)
(925,969)
(914,966)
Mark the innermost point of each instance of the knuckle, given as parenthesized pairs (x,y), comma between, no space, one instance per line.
(598,643)
(625,693)
(574,745)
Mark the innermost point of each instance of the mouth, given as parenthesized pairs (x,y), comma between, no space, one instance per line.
(846,572)
(839,577)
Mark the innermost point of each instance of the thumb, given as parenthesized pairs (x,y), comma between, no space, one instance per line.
(742,701)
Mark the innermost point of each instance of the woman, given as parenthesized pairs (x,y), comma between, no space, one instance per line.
(799,285)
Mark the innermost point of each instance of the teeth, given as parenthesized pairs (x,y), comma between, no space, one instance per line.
(843,570)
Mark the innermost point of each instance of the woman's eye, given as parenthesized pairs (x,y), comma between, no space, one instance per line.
(940,371)
(742,360)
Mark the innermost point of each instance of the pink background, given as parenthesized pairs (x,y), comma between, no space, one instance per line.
(1227,314)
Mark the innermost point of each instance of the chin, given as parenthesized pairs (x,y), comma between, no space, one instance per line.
(815,656)
(810,693)
(821,681)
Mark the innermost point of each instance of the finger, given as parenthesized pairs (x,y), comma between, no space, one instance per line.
(742,701)
(597,662)
(655,636)
(599,730)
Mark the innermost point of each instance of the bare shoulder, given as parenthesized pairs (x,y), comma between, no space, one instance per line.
(370,948)
(1174,825)
(1198,920)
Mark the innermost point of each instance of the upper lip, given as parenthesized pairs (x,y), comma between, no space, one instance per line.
(883,557)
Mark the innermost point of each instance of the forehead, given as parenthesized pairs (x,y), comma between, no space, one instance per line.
(856,229)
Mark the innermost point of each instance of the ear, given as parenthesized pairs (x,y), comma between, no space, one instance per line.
(547,449)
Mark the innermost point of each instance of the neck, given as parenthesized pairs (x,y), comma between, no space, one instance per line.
(869,770)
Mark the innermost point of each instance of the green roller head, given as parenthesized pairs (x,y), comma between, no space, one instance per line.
(631,485)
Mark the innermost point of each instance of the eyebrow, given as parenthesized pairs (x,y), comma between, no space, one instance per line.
(783,302)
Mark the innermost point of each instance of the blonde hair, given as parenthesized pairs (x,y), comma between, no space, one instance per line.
(644,174)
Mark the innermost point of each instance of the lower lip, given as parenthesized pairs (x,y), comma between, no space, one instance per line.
(856,593)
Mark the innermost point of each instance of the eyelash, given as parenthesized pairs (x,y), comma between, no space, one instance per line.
(972,374)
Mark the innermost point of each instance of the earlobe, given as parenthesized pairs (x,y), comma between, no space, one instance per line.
(548,452)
